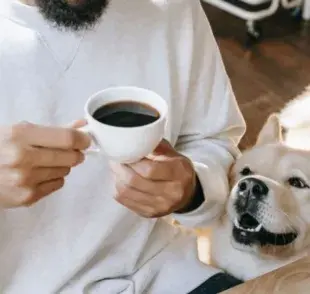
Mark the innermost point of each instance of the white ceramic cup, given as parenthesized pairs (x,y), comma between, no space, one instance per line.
(125,144)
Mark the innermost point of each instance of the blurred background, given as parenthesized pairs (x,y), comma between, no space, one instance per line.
(268,71)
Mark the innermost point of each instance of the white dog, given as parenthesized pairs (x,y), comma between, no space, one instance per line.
(267,220)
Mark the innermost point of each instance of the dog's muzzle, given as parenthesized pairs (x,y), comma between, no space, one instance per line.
(249,193)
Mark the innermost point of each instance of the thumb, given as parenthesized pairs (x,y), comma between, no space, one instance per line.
(162,151)
(78,124)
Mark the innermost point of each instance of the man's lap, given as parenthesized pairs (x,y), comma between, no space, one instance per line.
(174,270)
(178,270)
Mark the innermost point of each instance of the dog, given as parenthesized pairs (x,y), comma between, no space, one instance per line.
(266,224)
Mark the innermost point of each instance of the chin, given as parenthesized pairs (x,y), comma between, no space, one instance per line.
(248,234)
(73,15)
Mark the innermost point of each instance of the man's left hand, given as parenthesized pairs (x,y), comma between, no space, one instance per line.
(158,185)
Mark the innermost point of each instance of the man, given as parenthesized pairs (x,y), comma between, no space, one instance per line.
(70,224)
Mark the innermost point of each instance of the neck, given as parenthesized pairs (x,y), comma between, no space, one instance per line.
(29,2)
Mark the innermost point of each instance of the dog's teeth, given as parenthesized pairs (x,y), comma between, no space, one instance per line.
(258,228)
(236,223)
(252,230)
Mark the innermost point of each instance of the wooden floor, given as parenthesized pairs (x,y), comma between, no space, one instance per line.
(271,74)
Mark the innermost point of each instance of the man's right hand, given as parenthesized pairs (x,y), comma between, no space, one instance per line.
(34,161)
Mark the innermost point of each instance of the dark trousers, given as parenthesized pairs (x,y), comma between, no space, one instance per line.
(216,284)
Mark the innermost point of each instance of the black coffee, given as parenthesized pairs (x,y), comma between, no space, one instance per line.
(126,114)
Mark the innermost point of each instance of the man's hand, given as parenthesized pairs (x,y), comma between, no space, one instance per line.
(34,161)
(158,185)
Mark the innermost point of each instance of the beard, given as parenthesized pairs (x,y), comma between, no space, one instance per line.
(73,14)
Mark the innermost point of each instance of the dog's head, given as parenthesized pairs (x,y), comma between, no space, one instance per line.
(269,205)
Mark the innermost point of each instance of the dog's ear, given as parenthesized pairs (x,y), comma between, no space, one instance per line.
(271,131)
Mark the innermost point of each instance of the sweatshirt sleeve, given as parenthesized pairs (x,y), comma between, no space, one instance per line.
(212,125)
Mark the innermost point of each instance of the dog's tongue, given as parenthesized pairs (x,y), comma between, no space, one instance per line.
(248,222)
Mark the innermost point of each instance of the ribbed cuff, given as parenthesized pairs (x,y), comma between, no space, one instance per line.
(197,199)
(214,184)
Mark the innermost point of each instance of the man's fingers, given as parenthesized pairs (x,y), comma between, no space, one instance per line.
(159,165)
(134,180)
(31,177)
(129,193)
(44,189)
(50,137)
(154,170)
(42,157)
(142,210)
(78,124)
(29,157)
(136,201)
(45,174)
(164,148)
(49,187)
(142,203)
(147,211)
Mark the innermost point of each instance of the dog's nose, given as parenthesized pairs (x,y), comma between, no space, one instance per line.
(253,188)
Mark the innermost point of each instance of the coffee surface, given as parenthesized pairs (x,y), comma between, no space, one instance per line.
(126,114)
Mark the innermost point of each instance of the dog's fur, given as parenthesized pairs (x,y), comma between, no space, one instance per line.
(281,166)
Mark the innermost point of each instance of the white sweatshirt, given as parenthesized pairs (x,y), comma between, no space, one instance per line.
(80,240)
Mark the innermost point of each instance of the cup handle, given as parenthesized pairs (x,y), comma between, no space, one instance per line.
(96,150)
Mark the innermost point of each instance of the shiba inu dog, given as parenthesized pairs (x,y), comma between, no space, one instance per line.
(266,223)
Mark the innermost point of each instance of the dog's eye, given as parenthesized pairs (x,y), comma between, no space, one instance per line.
(298,183)
(246,171)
